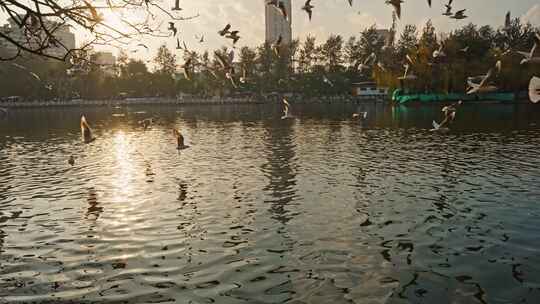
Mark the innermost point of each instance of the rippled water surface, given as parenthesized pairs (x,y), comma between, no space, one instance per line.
(320,209)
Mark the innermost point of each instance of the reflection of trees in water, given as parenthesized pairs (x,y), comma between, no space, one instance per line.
(94,210)
(280,171)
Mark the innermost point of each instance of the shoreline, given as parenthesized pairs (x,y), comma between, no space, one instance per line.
(183,101)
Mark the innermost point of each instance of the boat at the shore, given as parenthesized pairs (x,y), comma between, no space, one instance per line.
(400,97)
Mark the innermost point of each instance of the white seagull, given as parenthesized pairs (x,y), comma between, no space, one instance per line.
(286,110)
(483,86)
(534,55)
(534,89)
(86,131)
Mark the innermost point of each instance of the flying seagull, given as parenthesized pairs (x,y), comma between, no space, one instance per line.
(439,53)
(172,28)
(225,30)
(308,8)
(406,74)
(327,81)
(459,15)
(233,36)
(179,140)
(483,86)
(286,110)
(370,60)
(448,9)
(397,6)
(359,114)
(86,131)
(534,55)
(146,123)
(449,116)
(177,6)
(534,89)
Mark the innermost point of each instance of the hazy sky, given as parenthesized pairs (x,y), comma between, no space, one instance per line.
(335,16)
(329,16)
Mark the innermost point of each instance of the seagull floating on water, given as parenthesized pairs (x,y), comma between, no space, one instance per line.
(71,160)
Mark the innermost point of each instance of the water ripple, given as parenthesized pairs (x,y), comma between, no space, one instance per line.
(316,210)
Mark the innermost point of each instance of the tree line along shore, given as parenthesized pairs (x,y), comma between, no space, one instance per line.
(300,68)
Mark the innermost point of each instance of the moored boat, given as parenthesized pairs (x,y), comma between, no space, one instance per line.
(407,98)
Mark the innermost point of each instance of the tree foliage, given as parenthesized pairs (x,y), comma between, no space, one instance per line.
(308,67)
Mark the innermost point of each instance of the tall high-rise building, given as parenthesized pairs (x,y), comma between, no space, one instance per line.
(61,32)
(276,24)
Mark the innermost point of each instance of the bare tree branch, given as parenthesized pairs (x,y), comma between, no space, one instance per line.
(38,23)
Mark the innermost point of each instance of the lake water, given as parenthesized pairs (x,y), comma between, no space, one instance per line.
(321,209)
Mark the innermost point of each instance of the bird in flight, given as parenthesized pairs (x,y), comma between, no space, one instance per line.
(483,86)
(146,123)
(439,52)
(86,131)
(369,61)
(177,6)
(459,15)
(308,8)
(179,140)
(225,30)
(233,35)
(397,6)
(359,114)
(286,110)
(172,28)
(534,55)
(534,89)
